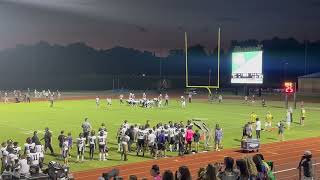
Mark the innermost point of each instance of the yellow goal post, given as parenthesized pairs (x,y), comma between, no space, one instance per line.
(186,59)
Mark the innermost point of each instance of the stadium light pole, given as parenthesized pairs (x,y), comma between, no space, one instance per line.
(305,56)
(284,70)
(209,76)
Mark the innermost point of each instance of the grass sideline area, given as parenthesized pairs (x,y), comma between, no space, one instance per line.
(18,121)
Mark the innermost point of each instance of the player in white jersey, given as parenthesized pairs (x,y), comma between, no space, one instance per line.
(119,136)
(6,99)
(152,144)
(92,144)
(40,150)
(183,102)
(97,101)
(11,156)
(16,150)
(3,155)
(81,141)
(160,100)
(135,132)
(109,101)
(34,158)
(190,97)
(166,97)
(66,150)
(171,137)
(28,146)
(141,137)
(176,137)
(102,141)
(126,124)
(121,98)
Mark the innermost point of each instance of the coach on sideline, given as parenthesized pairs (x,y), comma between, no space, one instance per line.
(47,140)
(86,128)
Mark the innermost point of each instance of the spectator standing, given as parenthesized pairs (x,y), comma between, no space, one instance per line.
(252,169)
(133,177)
(228,173)
(167,175)
(305,165)
(243,168)
(261,168)
(211,172)
(183,173)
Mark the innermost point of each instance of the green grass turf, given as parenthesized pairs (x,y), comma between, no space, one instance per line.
(18,121)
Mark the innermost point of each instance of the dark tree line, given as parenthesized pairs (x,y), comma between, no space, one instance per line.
(78,66)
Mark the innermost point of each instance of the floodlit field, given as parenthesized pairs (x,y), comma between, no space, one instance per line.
(18,121)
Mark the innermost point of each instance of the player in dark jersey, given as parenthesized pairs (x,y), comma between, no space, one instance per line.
(47,140)
(61,140)
(92,143)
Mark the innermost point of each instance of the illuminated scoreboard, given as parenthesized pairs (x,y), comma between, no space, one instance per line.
(247,67)
(289,87)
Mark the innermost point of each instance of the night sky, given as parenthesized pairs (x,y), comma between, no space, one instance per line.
(156,25)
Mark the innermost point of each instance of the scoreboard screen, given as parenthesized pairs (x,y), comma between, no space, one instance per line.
(247,67)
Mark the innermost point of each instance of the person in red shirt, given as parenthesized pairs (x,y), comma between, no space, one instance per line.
(189,136)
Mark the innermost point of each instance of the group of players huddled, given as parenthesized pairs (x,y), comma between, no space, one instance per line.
(19,160)
(145,102)
(160,101)
(157,140)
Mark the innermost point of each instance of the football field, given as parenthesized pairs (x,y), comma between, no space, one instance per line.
(18,121)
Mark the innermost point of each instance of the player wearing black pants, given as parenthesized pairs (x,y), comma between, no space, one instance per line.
(92,144)
(47,141)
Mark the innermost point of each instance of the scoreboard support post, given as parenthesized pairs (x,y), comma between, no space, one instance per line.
(286,101)
(290,88)
(295,96)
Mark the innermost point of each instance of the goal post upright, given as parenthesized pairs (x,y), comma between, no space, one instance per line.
(186,59)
